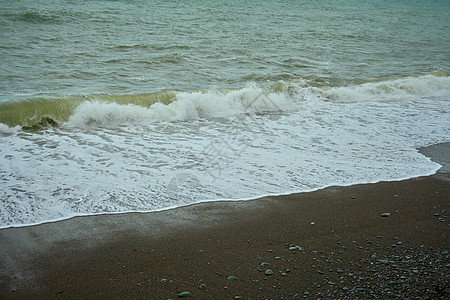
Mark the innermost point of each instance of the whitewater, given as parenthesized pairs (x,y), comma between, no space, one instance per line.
(220,145)
(125,106)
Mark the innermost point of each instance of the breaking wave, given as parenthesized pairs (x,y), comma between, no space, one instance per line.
(110,110)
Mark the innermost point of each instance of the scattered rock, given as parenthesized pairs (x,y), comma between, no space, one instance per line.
(385,215)
(231,277)
(202,286)
(184,294)
(268,272)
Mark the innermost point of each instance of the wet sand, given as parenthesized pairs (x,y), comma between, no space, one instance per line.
(331,243)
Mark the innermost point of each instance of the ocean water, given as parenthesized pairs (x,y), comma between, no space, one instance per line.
(117,106)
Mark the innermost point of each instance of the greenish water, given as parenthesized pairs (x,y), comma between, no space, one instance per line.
(61,48)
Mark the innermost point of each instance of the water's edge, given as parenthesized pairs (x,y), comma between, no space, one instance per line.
(437,153)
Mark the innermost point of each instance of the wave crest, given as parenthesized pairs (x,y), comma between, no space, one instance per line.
(431,85)
(186,106)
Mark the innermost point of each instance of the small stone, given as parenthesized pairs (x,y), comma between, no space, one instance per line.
(292,248)
(268,272)
(339,271)
(263,264)
(231,277)
(306,293)
(277,257)
(284,274)
(385,215)
(345,288)
(184,294)
(60,292)
(380,237)
(202,286)
(399,243)
(436,215)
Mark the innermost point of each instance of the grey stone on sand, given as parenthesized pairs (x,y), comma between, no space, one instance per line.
(268,272)
(184,294)
(385,215)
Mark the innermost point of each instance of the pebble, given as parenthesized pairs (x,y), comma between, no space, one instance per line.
(202,286)
(231,277)
(268,272)
(184,294)
(385,214)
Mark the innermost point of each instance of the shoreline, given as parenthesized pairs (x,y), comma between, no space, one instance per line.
(436,151)
(222,250)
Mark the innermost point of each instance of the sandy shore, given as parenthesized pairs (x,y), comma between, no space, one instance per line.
(332,243)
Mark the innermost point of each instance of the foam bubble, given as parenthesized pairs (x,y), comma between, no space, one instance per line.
(5,129)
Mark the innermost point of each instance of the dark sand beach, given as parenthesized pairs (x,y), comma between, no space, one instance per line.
(332,243)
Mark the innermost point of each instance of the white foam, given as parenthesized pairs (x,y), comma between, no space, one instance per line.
(187,106)
(65,171)
(5,129)
(421,86)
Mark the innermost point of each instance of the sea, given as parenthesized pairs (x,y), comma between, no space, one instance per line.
(147,105)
